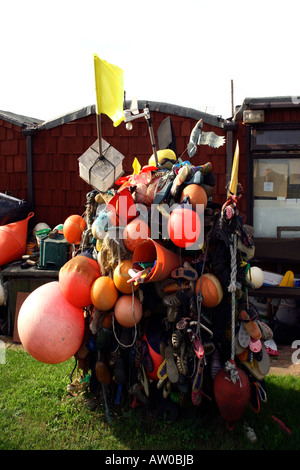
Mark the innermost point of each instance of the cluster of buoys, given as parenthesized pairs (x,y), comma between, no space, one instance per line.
(142,314)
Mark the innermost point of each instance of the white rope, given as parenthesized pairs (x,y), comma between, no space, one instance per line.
(234,374)
(232,289)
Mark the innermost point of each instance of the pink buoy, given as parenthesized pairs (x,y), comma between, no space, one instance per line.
(128,311)
(50,328)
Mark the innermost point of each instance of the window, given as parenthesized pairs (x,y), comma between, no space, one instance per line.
(276,197)
(274,169)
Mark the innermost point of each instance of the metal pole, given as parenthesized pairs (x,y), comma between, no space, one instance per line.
(99,133)
(232,101)
(152,138)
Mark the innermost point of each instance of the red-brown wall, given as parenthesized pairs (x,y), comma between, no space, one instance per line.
(58,189)
(12,160)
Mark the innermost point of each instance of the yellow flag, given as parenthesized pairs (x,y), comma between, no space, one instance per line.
(109,90)
(234,171)
(136,166)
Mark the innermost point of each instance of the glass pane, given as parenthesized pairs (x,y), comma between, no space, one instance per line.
(276,191)
(278,137)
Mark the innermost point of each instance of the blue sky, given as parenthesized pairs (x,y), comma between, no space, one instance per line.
(179,52)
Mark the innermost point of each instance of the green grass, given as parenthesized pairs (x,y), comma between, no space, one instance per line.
(37,413)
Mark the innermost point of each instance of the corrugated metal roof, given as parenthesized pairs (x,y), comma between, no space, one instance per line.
(19,119)
(274,102)
(24,121)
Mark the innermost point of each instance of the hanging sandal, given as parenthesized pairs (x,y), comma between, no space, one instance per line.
(187,273)
(177,339)
(162,370)
(183,323)
(135,389)
(198,377)
(266,332)
(196,397)
(254,397)
(172,371)
(171,300)
(196,344)
(243,336)
(250,325)
(172,313)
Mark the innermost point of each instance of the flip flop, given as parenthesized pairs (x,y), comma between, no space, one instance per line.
(264,364)
(266,332)
(243,336)
(255,345)
(271,347)
(250,325)
(243,356)
(238,348)
(252,366)
(179,179)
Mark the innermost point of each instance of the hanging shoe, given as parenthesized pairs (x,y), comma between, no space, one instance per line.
(172,370)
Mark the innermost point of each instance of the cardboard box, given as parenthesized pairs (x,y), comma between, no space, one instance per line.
(101,173)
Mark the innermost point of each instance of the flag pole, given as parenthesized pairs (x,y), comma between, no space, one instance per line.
(99,133)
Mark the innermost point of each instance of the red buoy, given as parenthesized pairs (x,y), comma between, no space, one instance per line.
(232,392)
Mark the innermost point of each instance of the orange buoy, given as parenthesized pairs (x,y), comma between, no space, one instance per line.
(134,233)
(76,278)
(121,277)
(104,293)
(211,290)
(196,194)
(13,238)
(73,227)
(50,328)
(128,311)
